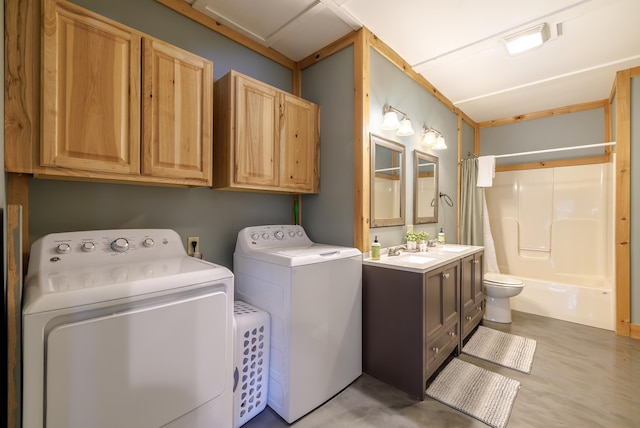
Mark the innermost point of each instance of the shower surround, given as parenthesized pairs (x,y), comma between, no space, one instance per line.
(554,228)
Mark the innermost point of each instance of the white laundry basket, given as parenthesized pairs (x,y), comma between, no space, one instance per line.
(251,368)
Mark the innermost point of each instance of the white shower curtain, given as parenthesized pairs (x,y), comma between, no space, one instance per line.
(474,217)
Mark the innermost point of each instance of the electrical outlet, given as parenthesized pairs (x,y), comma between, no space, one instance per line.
(409,228)
(193,245)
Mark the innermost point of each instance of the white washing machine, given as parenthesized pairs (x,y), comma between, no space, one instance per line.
(122,329)
(313,293)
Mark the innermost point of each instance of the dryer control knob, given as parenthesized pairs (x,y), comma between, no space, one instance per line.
(148,242)
(279,234)
(88,246)
(63,248)
(120,245)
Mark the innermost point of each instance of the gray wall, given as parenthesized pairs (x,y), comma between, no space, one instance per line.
(573,129)
(390,85)
(328,216)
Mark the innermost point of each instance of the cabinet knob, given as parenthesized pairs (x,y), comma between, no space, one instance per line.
(445,275)
(436,350)
(452,333)
(475,261)
(479,308)
(469,317)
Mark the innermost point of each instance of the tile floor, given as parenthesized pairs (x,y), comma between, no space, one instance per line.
(581,377)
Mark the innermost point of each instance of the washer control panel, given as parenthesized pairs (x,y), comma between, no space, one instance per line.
(256,237)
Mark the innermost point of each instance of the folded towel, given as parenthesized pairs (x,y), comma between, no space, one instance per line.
(486,171)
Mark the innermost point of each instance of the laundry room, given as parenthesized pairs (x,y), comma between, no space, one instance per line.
(345,89)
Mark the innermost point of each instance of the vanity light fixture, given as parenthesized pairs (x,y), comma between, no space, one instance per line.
(527,39)
(390,121)
(433,139)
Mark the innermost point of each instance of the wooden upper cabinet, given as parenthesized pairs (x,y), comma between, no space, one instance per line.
(91,94)
(177,113)
(300,145)
(120,105)
(256,145)
(264,139)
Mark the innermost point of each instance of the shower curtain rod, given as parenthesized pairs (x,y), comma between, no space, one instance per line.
(535,152)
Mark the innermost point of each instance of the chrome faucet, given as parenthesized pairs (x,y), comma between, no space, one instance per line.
(394,251)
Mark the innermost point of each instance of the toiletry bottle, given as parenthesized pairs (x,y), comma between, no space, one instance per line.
(441,236)
(375,249)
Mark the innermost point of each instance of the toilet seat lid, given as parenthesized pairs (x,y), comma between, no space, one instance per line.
(499,279)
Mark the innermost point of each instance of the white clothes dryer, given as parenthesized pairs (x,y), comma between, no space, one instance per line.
(313,293)
(122,329)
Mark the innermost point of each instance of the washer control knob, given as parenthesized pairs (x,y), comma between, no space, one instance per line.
(279,234)
(148,242)
(255,236)
(292,233)
(120,245)
(265,235)
(63,248)
(88,246)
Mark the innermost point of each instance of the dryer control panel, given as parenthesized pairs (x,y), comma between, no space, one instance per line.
(258,237)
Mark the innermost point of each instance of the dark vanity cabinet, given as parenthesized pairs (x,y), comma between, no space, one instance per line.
(411,323)
(472,292)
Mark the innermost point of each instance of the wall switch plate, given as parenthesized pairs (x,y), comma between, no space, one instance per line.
(193,245)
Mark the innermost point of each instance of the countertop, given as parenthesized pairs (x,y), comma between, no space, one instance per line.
(421,262)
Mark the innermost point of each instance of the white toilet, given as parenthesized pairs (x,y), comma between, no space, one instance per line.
(499,289)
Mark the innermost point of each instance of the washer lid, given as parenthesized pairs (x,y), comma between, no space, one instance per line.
(500,279)
(298,256)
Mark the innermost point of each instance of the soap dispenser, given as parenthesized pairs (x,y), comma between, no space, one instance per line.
(375,249)
(441,236)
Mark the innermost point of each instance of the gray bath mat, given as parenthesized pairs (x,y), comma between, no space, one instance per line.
(508,350)
(475,391)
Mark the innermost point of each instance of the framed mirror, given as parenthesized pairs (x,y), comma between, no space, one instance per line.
(425,187)
(387,182)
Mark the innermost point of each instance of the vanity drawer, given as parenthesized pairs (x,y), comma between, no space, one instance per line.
(471,318)
(440,347)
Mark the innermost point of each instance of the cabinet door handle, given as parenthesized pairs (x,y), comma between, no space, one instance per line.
(445,275)
(436,350)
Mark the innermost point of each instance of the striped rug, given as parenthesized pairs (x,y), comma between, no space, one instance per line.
(505,349)
(477,392)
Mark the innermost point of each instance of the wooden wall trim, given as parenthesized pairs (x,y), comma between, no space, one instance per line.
(554,164)
(544,113)
(635,331)
(361,144)
(14,316)
(184,8)
(623,203)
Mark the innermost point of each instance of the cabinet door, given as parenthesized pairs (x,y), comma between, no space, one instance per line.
(299,151)
(442,299)
(177,113)
(468,284)
(256,151)
(478,278)
(91,93)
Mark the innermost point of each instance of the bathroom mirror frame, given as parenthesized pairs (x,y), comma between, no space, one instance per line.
(419,160)
(388,163)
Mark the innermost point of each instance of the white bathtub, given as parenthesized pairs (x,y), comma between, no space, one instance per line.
(592,304)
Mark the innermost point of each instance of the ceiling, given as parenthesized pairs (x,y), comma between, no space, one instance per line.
(457,44)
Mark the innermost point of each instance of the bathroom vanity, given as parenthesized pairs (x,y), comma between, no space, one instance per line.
(417,310)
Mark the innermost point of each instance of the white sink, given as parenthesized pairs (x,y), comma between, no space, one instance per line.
(454,248)
(412,258)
